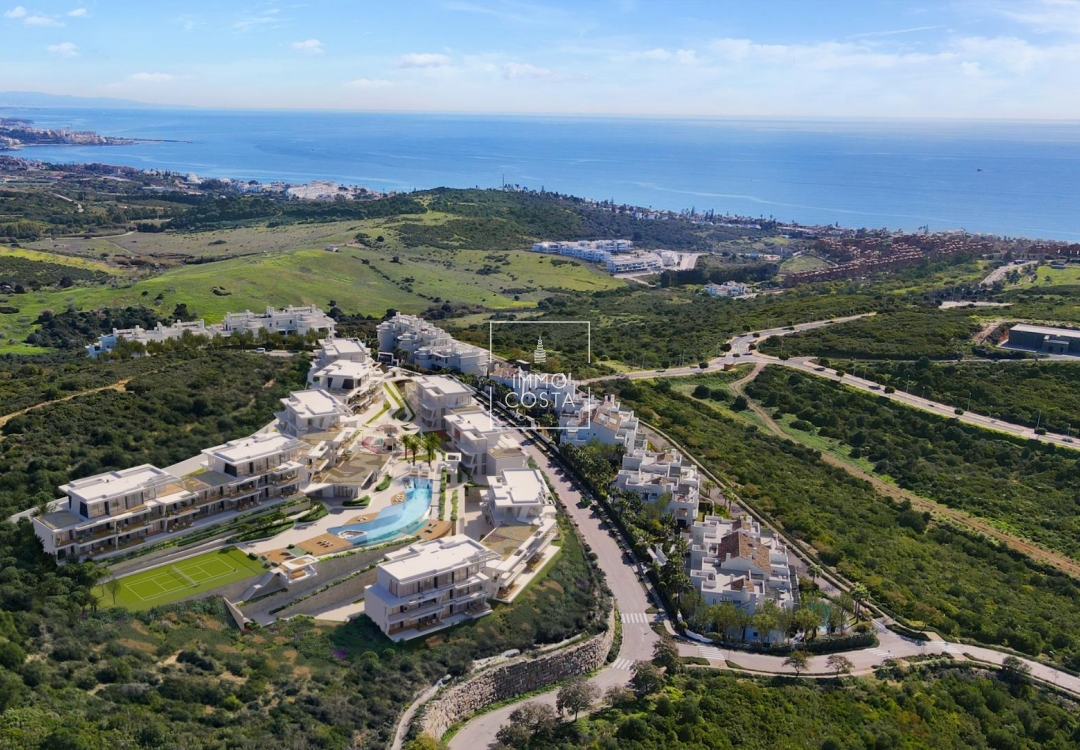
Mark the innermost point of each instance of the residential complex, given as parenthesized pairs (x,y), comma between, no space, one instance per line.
(635,263)
(429,586)
(432,397)
(654,475)
(604,421)
(486,448)
(298,320)
(596,251)
(734,560)
(427,346)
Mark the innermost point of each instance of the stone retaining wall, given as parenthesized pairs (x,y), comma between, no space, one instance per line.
(461,700)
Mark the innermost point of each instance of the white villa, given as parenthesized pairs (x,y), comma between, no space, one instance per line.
(335,349)
(298,320)
(727,289)
(652,475)
(606,422)
(428,346)
(735,561)
(434,396)
(520,507)
(430,586)
(355,384)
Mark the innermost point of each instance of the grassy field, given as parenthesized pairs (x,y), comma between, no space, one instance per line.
(802,263)
(170,583)
(361,280)
(1047,276)
(52,257)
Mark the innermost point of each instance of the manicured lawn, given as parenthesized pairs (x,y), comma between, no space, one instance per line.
(170,583)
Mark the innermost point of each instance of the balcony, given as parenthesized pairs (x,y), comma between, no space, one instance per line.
(99,532)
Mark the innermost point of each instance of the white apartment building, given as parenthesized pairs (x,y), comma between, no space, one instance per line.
(300,320)
(111,511)
(733,560)
(334,349)
(521,510)
(485,446)
(117,510)
(432,397)
(607,422)
(595,251)
(652,475)
(140,335)
(355,384)
(428,346)
(727,289)
(310,411)
(430,586)
(636,263)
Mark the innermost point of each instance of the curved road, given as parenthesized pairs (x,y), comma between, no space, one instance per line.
(742,354)
(637,634)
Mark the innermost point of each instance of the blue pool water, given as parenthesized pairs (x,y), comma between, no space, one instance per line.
(395,520)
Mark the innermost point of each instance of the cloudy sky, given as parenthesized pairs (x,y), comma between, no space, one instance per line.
(950,58)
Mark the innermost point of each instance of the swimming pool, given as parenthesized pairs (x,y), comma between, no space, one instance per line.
(396,519)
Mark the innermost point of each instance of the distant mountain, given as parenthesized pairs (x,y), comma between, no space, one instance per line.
(38,99)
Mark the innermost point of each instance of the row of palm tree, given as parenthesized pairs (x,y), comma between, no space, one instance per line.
(429,443)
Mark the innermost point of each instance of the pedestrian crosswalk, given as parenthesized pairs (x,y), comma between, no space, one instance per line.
(635,617)
(711,652)
(881,652)
(623,664)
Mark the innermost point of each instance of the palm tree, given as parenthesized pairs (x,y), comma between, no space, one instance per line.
(430,443)
(410,443)
(859,594)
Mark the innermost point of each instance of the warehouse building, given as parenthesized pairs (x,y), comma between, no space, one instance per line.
(1044,339)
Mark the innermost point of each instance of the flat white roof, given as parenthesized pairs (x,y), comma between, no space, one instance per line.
(434,557)
(477,420)
(251,448)
(312,403)
(518,487)
(443,384)
(341,347)
(346,368)
(1046,330)
(115,483)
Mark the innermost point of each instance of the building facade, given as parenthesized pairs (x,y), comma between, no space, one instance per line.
(653,475)
(1045,339)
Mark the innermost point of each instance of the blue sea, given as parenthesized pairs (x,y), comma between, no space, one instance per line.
(1013,179)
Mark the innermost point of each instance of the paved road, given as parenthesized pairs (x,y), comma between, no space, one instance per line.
(742,354)
(999,273)
(638,636)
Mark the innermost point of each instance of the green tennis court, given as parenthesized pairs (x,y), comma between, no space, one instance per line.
(170,583)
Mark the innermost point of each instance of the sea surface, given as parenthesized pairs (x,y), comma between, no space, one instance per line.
(1013,179)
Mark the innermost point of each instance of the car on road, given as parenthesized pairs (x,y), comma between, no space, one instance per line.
(819,369)
(875,387)
(260,350)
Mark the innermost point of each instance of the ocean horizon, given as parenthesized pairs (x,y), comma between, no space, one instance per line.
(998,177)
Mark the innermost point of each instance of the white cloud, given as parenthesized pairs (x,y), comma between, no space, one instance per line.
(41,21)
(310,46)
(369,83)
(514,70)
(65,49)
(78,13)
(151,77)
(686,56)
(424,60)
(17,12)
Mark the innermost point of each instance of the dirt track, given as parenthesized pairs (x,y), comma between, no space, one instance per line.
(117,386)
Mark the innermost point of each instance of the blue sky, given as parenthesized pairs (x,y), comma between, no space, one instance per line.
(953,58)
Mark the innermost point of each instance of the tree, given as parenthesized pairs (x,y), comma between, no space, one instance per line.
(806,621)
(666,654)
(725,618)
(740,403)
(618,695)
(797,660)
(647,678)
(577,695)
(839,664)
(112,588)
(765,620)
(410,443)
(1015,670)
(430,443)
(859,595)
(526,721)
